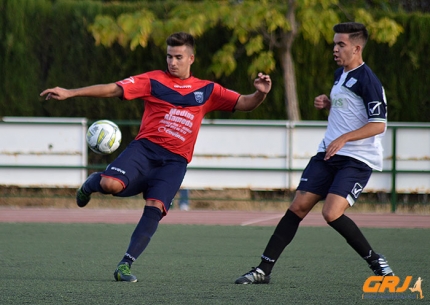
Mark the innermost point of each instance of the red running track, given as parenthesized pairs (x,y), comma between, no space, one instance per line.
(203,217)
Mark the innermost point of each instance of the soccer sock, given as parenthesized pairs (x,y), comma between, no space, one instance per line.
(92,184)
(282,236)
(346,227)
(142,234)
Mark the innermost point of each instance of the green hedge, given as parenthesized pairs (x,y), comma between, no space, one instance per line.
(46,43)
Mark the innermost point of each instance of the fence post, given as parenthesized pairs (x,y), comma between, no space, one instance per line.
(394,171)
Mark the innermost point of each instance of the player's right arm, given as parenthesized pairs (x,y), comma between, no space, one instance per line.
(322,102)
(105,90)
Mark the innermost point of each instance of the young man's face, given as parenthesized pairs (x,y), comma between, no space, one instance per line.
(179,61)
(345,52)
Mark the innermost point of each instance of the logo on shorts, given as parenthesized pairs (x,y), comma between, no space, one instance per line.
(356,190)
(118,170)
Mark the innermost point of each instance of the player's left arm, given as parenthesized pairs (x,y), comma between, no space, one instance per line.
(374,99)
(369,130)
(249,102)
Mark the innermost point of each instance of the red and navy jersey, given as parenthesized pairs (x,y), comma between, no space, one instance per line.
(174,107)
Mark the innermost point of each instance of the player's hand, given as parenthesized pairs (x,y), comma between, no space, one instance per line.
(334,147)
(263,83)
(322,101)
(56,93)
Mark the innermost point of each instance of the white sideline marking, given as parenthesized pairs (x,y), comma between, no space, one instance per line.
(251,222)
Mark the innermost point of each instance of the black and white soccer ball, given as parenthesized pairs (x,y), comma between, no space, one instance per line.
(103,137)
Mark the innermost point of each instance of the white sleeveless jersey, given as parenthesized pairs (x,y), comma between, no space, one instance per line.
(357,98)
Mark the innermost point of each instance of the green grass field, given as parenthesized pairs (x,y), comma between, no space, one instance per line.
(189,264)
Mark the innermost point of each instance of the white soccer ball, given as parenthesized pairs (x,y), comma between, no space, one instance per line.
(103,137)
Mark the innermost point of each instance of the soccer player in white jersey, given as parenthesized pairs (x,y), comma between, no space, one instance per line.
(350,150)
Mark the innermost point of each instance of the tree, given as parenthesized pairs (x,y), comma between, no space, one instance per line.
(263,30)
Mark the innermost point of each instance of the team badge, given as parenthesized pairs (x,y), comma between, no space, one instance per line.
(351,82)
(198,95)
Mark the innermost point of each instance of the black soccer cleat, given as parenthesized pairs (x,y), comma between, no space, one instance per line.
(255,276)
(83,198)
(380,266)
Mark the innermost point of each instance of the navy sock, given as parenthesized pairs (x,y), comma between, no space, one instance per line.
(92,184)
(142,234)
(282,236)
(346,227)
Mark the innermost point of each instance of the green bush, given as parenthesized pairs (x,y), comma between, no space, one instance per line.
(47,43)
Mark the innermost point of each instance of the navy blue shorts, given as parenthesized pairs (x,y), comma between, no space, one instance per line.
(340,175)
(145,167)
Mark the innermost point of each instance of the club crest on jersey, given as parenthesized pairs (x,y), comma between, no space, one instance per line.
(198,95)
(351,82)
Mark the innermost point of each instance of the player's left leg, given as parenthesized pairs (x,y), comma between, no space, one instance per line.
(140,239)
(333,212)
(160,189)
(346,188)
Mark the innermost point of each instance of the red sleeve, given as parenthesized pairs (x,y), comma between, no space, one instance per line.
(222,99)
(135,87)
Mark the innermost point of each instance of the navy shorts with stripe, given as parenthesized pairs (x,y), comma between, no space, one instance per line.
(340,175)
(145,167)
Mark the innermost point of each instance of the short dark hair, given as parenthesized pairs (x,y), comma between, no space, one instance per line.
(180,39)
(356,31)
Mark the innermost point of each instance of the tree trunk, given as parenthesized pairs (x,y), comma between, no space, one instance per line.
(291,100)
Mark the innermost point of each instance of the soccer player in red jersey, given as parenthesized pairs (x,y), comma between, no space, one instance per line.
(156,161)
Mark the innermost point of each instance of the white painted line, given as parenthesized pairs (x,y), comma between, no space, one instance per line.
(251,222)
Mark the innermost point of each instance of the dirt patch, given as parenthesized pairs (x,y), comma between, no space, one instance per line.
(224,199)
(228,199)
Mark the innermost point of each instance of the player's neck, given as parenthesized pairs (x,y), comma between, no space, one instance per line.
(353,65)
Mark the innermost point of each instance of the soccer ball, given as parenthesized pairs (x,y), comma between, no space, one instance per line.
(103,137)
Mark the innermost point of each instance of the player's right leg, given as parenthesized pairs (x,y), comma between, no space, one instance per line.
(96,182)
(316,179)
(83,194)
(282,236)
(115,178)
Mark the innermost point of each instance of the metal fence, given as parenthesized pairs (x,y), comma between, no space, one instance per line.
(257,155)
